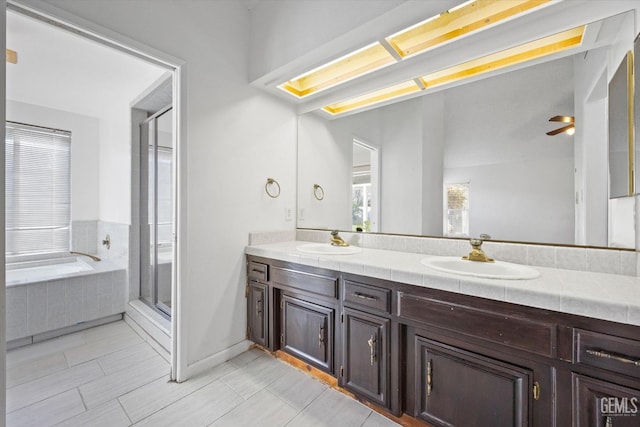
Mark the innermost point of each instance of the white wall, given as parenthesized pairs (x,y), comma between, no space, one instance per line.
(85,143)
(115,169)
(237,137)
(401,168)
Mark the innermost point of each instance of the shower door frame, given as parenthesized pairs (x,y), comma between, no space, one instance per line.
(147,145)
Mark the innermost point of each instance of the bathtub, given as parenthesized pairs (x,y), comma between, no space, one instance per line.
(49,271)
(45,298)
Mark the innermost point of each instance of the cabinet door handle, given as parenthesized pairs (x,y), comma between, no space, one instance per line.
(608,422)
(429,378)
(364,296)
(258,307)
(372,344)
(618,357)
(321,336)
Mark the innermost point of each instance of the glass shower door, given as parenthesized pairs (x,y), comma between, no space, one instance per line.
(156,210)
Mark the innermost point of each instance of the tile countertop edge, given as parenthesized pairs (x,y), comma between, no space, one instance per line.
(548,290)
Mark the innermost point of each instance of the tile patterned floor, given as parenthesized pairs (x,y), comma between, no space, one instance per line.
(109,376)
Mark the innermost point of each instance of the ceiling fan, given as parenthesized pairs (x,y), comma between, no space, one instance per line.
(570,129)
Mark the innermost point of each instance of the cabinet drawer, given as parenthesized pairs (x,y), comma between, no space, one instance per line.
(609,352)
(367,296)
(258,271)
(318,284)
(506,329)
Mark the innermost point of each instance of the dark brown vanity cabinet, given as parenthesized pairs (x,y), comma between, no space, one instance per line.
(258,313)
(366,328)
(598,403)
(307,332)
(606,403)
(458,388)
(447,358)
(365,369)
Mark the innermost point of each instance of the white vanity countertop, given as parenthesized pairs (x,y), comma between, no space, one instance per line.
(598,295)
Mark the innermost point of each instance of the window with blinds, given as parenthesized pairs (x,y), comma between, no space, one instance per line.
(37,190)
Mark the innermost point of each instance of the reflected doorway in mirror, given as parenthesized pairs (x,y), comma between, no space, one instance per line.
(365,193)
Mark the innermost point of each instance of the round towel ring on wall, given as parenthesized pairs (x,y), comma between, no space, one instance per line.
(318,191)
(271,181)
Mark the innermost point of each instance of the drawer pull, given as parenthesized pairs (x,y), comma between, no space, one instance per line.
(364,296)
(429,378)
(321,336)
(619,358)
(372,342)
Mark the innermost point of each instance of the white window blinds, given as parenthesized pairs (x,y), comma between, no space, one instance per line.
(38,190)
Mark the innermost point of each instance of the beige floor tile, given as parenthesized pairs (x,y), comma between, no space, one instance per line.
(146,400)
(262,409)
(44,348)
(34,391)
(31,369)
(47,412)
(100,347)
(331,409)
(296,388)
(126,357)
(255,376)
(109,414)
(377,420)
(113,386)
(197,409)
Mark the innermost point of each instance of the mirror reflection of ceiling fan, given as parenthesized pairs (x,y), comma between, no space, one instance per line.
(570,129)
(11,56)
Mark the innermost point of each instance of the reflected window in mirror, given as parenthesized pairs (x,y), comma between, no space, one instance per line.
(365,195)
(456,210)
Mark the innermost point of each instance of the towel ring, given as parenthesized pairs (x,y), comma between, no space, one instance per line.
(271,181)
(318,192)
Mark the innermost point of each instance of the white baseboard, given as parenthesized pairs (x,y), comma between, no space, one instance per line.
(218,358)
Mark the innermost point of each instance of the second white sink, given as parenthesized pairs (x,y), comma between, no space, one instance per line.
(327,249)
(488,270)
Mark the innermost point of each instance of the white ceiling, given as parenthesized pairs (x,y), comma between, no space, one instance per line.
(61,70)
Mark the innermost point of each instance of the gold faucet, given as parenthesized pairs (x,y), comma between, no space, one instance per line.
(336,240)
(477,254)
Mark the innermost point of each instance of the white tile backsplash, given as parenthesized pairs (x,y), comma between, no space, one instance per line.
(610,261)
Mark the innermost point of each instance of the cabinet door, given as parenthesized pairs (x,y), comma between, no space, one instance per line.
(257,316)
(598,403)
(307,332)
(365,355)
(458,388)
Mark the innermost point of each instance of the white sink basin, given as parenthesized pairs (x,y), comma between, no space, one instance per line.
(489,270)
(327,249)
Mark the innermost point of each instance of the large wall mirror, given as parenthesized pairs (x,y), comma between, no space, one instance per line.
(476,158)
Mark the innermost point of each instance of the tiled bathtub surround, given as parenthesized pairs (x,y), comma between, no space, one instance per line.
(119,234)
(599,295)
(611,261)
(83,236)
(46,306)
